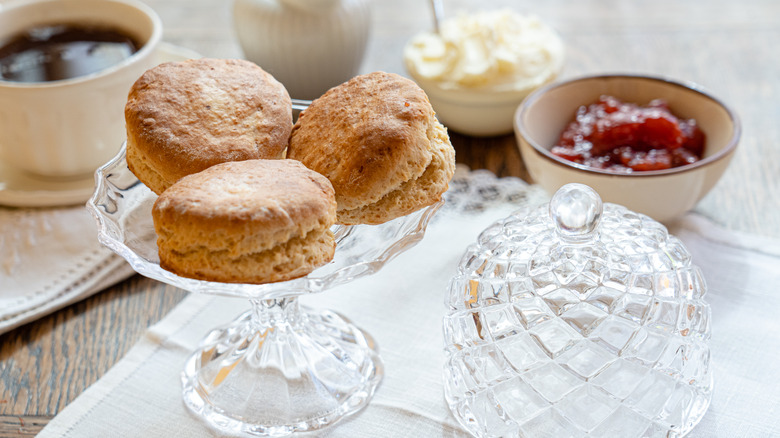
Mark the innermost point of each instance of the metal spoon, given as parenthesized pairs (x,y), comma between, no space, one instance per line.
(438,14)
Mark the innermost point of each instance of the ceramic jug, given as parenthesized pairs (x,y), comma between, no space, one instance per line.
(308,45)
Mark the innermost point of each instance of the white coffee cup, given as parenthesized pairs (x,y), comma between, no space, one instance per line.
(70,127)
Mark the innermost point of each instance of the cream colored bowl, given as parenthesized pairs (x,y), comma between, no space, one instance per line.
(479,66)
(479,113)
(662,194)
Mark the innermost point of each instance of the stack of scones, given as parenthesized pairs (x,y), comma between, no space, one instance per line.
(245,196)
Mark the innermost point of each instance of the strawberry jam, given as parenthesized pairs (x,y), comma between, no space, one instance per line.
(624,137)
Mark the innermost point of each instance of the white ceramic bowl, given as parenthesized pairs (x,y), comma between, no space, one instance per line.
(661,194)
(479,66)
(480,113)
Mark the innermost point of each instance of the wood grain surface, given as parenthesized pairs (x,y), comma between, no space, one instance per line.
(46,364)
(725,46)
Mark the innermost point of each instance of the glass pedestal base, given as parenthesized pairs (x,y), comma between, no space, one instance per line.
(275,370)
(278,370)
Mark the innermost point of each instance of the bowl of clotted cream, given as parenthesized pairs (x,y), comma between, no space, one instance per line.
(479,67)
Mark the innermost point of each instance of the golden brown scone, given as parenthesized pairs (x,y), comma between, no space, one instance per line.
(253,221)
(183,117)
(377,140)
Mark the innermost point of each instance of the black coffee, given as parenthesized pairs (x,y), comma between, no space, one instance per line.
(53,53)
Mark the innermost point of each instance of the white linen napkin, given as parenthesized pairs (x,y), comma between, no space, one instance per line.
(402,308)
(50,258)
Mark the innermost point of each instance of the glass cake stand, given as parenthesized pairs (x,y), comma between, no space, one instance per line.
(279,368)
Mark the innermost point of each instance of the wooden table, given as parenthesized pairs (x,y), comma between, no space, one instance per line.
(726,46)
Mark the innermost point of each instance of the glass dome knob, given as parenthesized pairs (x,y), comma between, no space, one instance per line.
(575,210)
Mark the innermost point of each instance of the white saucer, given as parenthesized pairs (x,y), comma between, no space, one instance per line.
(20,189)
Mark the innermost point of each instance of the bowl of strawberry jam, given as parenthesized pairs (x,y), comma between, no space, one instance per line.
(652,144)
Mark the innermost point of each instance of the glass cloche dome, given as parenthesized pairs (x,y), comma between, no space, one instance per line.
(577,319)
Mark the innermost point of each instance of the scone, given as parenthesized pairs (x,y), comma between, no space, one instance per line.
(183,117)
(377,140)
(253,221)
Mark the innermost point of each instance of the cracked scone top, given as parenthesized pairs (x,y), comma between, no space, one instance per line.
(252,221)
(183,117)
(377,140)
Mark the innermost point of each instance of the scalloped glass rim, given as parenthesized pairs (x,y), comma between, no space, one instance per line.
(121,206)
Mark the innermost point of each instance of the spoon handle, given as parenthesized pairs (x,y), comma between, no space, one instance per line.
(438,14)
